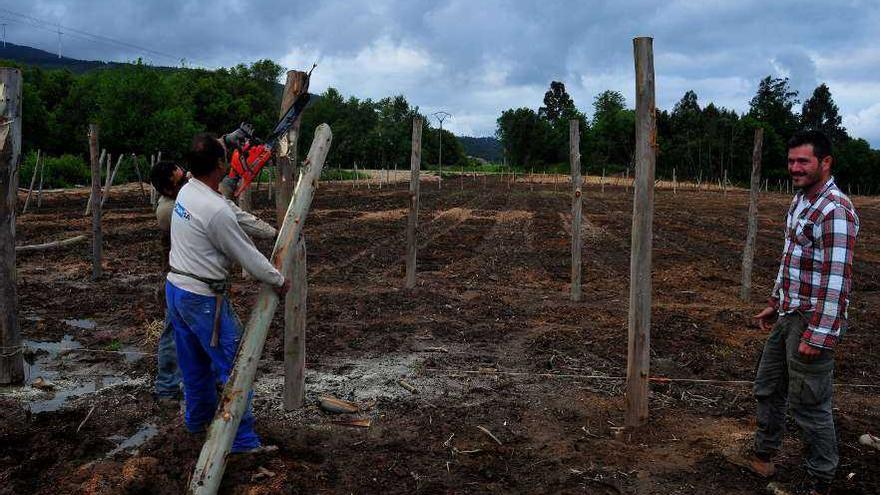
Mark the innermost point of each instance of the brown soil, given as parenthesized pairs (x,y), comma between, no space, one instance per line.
(492,296)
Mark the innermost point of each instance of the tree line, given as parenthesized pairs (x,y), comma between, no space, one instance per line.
(699,142)
(142,109)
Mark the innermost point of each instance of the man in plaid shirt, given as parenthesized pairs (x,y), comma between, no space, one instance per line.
(810,299)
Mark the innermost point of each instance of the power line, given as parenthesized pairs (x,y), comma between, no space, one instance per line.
(80,34)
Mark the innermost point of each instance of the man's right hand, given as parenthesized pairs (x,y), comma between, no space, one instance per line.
(767,317)
(282,289)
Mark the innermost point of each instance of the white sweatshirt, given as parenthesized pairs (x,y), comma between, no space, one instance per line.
(252,225)
(206,236)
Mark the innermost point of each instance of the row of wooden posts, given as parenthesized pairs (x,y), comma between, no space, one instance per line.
(289,255)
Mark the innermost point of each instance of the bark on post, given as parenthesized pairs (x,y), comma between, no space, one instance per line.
(96,199)
(296,84)
(638,354)
(27,198)
(745,291)
(212,460)
(576,208)
(11,361)
(413,220)
(295,305)
(110,179)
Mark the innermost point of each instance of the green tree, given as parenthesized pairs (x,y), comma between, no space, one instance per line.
(820,112)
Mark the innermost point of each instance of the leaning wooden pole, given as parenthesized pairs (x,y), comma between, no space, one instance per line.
(40,190)
(745,291)
(212,460)
(110,180)
(137,170)
(639,345)
(297,83)
(95,199)
(577,200)
(27,199)
(11,361)
(415,164)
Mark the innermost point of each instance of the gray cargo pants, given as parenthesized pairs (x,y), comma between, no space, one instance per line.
(786,381)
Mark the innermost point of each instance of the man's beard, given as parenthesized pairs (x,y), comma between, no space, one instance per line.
(811,180)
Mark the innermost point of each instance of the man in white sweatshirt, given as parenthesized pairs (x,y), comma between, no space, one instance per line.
(168,178)
(205,239)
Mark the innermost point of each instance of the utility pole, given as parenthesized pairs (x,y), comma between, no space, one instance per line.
(440,116)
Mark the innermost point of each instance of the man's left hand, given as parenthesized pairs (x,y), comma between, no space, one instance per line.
(808,352)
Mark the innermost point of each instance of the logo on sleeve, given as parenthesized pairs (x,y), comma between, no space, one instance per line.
(182,212)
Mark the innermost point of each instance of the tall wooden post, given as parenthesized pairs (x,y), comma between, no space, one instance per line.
(110,179)
(637,369)
(296,84)
(212,460)
(577,199)
(412,223)
(154,194)
(137,170)
(11,362)
(745,291)
(96,199)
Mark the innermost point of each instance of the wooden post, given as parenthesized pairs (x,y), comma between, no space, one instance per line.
(27,199)
(40,190)
(603,180)
(110,180)
(100,171)
(415,163)
(212,460)
(96,197)
(637,369)
(296,84)
(295,305)
(577,199)
(745,291)
(674,182)
(11,361)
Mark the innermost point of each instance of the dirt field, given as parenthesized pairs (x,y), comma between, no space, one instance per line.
(481,337)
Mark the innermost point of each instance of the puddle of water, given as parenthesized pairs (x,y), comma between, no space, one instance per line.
(44,360)
(146,432)
(84,324)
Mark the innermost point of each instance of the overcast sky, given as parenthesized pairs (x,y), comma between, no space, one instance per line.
(476,58)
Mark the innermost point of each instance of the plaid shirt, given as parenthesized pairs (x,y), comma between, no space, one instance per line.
(815,275)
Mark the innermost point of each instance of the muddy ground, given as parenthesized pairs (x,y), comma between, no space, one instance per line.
(482,338)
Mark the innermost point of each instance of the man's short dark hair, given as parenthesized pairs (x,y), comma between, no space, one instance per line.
(202,157)
(821,143)
(160,176)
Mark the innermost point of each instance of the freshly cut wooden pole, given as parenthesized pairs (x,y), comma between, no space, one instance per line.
(296,84)
(110,180)
(96,197)
(745,291)
(51,245)
(212,460)
(577,199)
(295,305)
(639,345)
(11,360)
(415,164)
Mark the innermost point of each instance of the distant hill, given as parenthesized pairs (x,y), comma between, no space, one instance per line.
(487,148)
(26,55)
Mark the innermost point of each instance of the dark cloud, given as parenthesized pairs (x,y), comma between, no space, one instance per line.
(476,59)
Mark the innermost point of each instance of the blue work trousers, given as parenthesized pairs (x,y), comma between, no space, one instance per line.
(202,366)
(167,372)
